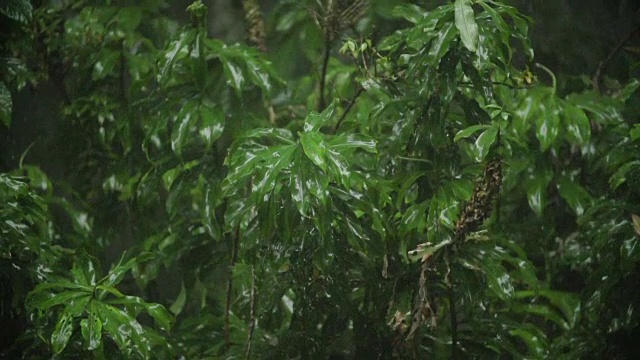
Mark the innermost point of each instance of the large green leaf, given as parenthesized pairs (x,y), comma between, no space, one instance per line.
(466,24)
(484,142)
(91,328)
(177,50)
(315,148)
(125,330)
(62,332)
(577,124)
(548,124)
(182,127)
(574,194)
(212,118)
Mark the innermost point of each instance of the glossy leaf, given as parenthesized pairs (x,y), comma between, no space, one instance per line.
(234,74)
(62,332)
(537,190)
(577,124)
(548,124)
(315,148)
(280,159)
(466,24)
(465,133)
(484,142)
(315,121)
(213,121)
(124,330)
(182,127)
(91,328)
(409,12)
(186,38)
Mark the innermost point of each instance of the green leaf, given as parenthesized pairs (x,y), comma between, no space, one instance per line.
(533,104)
(466,24)
(620,176)
(315,148)
(346,142)
(62,332)
(170,176)
(577,124)
(424,252)
(17,10)
(635,132)
(107,61)
(118,271)
(275,161)
(498,278)
(129,18)
(234,74)
(91,328)
(182,127)
(537,190)
(409,12)
(6,105)
(628,90)
(212,118)
(548,124)
(259,75)
(441,45)
(186,38)
(484,142)
(45,300)
(125,330)
(574,194)
(314,121)
(158,312)
(178,305)
(465,133)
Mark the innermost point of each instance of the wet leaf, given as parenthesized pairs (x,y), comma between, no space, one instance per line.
(234,74)
(315,148)
(409,12)
(465,133)
(548,124)
(91,328)
(62,332)
(576,124)
(466,24)
(212,118)
(484,142)
(314,121)
(182,127)
(186,38)
(537,190)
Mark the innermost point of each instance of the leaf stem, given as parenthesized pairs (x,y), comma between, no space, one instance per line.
(553,77)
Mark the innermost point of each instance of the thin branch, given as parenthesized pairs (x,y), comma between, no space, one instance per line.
(252,319)
(234,258)
(452,307)
(347,109)
(323,75)
(603,64)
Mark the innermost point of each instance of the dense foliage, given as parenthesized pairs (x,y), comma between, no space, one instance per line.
(359,180)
